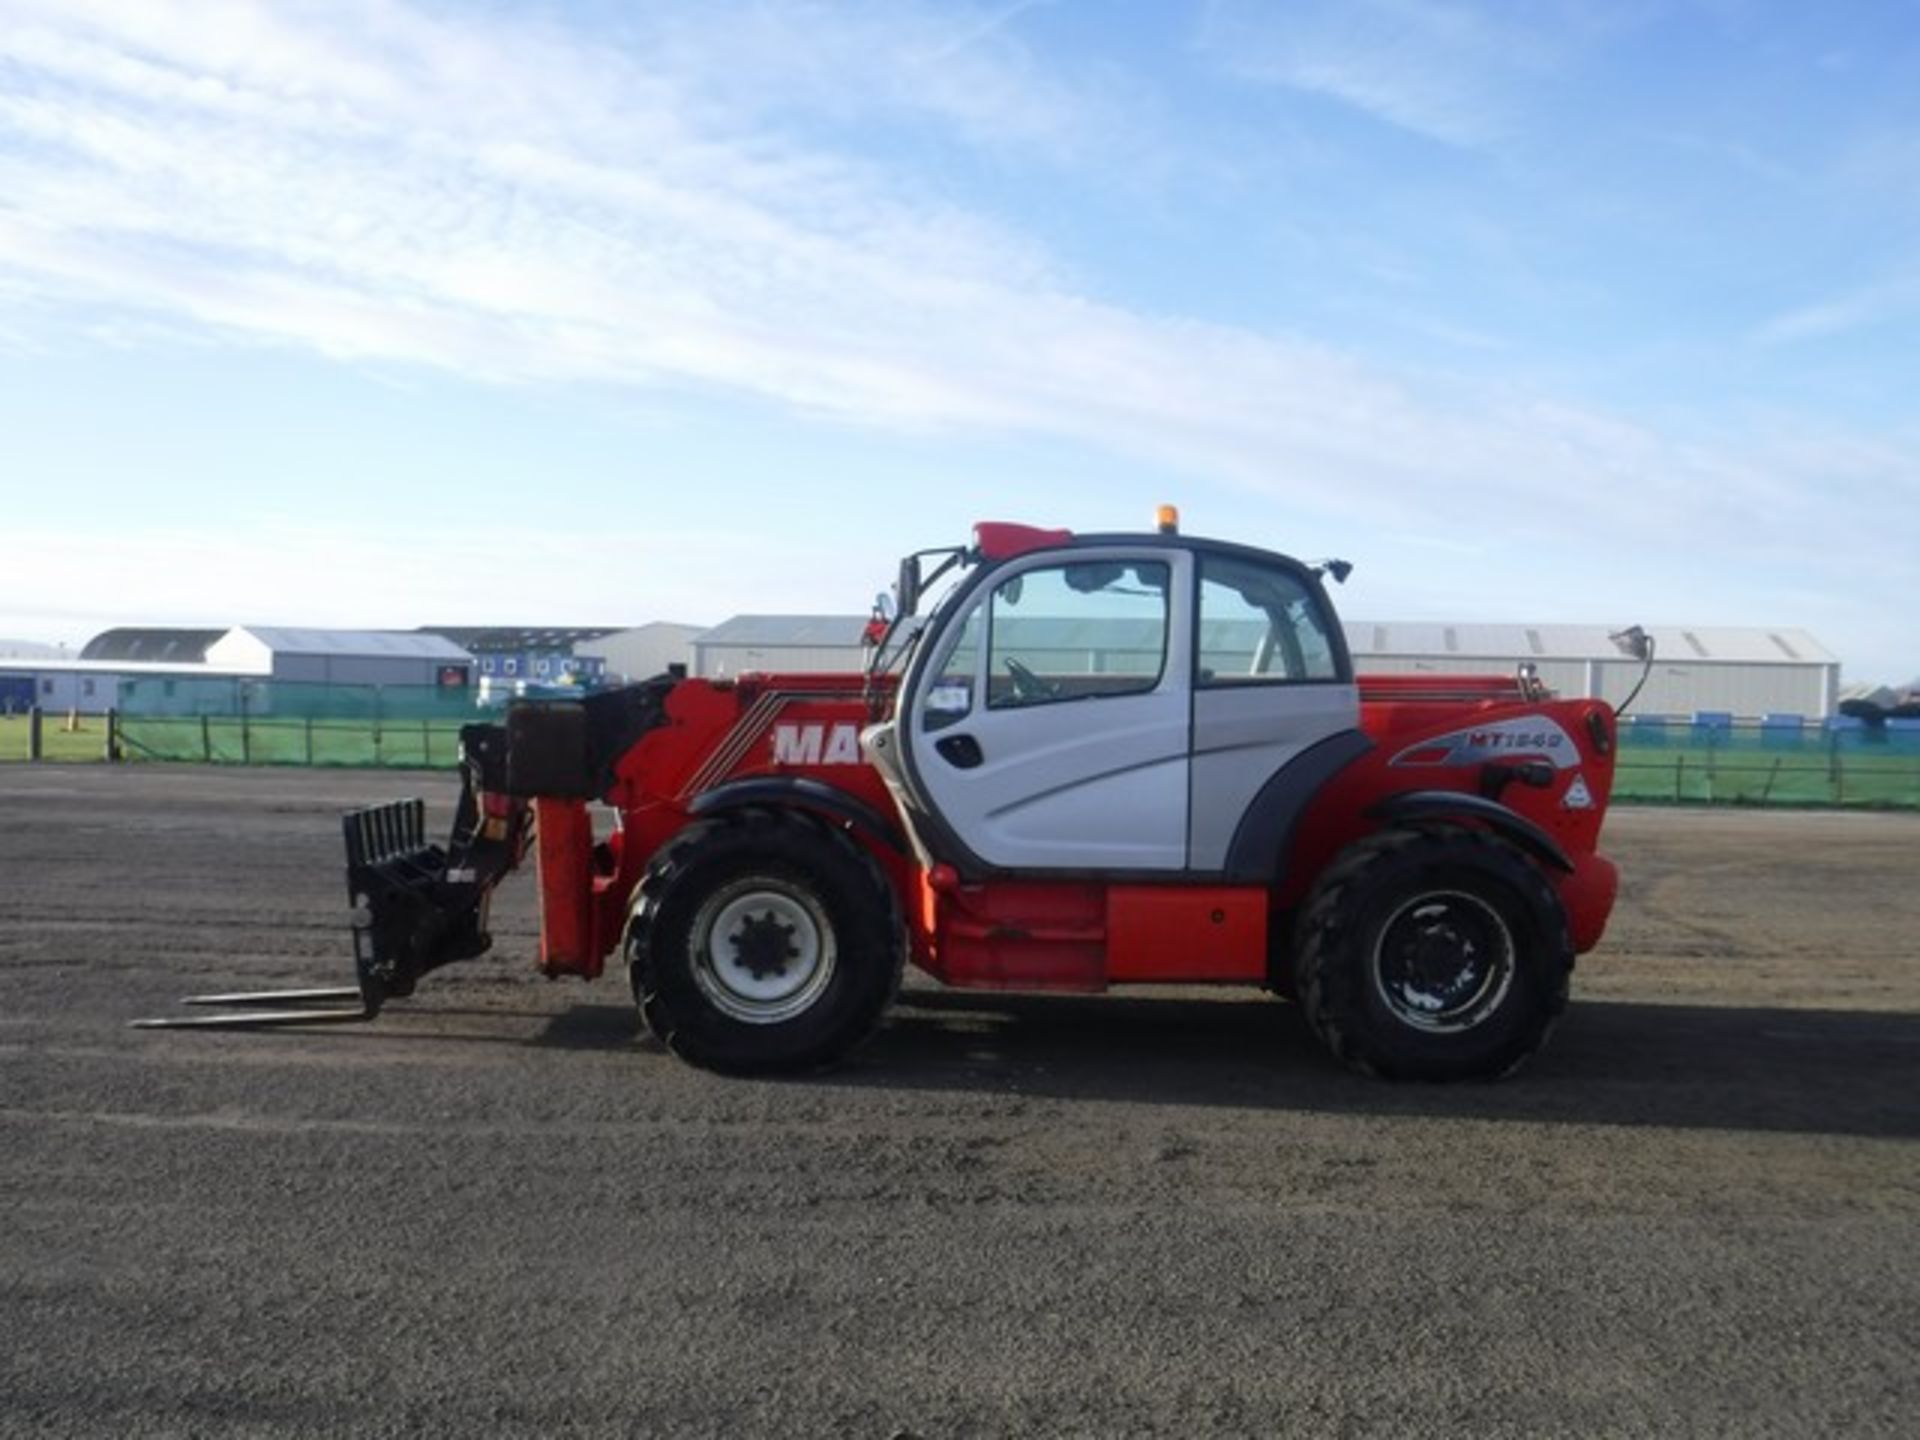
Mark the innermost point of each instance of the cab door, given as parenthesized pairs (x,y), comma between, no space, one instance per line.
(1050,728)
(1272,682)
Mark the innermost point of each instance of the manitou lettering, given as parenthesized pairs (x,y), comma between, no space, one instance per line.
(816,745)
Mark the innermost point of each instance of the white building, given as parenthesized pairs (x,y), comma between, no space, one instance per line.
(1746,672)
(644,650)
(343,657)
(194,671)
(803,644)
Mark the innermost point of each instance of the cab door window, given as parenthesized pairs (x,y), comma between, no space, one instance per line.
(1259,624)
(1080,630)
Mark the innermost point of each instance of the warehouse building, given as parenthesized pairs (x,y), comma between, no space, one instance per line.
(1738,672)
(796,643)
(644,650)
(221,671)
(90,683)
(342,657)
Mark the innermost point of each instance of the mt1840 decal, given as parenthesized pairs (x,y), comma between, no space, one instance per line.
(1529,738)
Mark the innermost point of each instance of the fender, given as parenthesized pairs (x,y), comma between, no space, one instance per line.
(1453,805)
(807,794)
(1265,832)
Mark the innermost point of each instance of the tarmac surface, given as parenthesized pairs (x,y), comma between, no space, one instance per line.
(501,1210)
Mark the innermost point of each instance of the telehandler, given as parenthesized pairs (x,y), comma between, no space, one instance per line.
(1102,759)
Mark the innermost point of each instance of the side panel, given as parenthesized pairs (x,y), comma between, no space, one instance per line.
(1242,736)
(1180,934)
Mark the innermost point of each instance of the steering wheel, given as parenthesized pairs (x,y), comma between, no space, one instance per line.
(1027,686)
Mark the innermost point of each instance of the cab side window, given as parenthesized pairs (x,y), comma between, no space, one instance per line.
(1259,624)
(1076,631)
(950,698)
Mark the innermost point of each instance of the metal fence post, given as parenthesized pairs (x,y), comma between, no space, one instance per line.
(33,732)
(112,751)
(206,741)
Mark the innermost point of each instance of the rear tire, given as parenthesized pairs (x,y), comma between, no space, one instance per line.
(1437,954)
(763,942)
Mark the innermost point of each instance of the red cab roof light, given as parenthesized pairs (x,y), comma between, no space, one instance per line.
(1002,540)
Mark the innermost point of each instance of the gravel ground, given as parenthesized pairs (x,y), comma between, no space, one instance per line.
(502,1210)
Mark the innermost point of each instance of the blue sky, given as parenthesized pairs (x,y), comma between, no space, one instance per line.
(370,313)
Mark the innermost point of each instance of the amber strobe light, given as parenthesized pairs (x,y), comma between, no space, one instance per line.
(1167,517)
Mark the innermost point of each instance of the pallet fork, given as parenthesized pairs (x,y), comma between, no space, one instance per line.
(415,906)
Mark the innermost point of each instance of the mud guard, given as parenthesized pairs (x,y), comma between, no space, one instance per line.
(1453,805)
(806,794)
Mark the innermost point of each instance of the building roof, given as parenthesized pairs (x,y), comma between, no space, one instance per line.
(410,644)
(164,647)
(655,627)
(793,631)
(513,639)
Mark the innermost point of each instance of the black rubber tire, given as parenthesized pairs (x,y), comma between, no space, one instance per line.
(1344,953)
(807,865)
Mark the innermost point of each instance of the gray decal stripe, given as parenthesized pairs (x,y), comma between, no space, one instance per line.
(741,735)
(749,730)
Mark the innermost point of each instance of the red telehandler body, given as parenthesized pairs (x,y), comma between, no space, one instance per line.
(1099,760)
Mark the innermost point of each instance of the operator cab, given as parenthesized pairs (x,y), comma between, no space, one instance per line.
(1114,704)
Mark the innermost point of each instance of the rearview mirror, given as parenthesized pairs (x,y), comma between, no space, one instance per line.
(906,589)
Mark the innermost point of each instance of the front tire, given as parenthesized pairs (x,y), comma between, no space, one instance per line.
(1438,954)
(763,942)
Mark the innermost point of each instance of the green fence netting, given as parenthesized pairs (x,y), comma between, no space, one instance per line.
(281,722)
(261,722)
(1852,765)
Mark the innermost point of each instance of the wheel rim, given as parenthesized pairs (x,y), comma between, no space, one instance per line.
(763,950)
(1443,961)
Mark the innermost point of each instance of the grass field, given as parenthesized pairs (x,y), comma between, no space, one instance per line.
(88,742)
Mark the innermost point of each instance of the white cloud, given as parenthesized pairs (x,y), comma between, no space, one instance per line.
(1440,70)
(503,200)
(1863,309)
